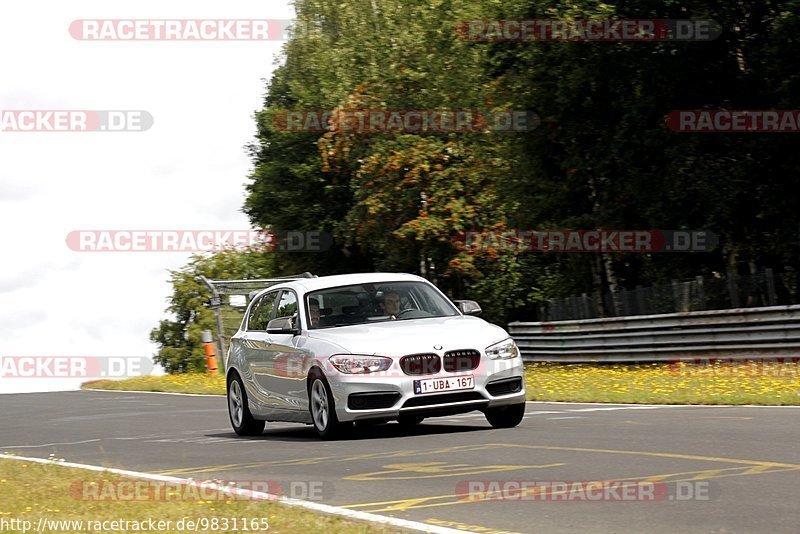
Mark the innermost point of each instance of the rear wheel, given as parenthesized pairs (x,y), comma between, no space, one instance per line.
(506,416)
(323,409)
(242,421)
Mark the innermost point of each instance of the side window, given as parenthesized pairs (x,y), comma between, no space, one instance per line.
(287,306)
(262,312)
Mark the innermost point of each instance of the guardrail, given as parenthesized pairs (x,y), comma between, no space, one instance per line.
(736,334)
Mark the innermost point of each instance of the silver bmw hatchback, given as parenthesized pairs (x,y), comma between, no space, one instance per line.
(368,348)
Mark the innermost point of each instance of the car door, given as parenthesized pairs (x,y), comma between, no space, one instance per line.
(286,380)
(256,347)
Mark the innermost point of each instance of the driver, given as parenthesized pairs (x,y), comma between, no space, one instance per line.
(391,303)
(313,312)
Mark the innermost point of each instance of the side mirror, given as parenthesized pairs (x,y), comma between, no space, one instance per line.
(282,325)
(468,307)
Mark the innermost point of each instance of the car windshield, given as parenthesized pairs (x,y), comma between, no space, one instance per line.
(371,303)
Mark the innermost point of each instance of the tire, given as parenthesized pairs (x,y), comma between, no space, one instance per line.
(323,409)
(505,416)
(242,421)
(410,421)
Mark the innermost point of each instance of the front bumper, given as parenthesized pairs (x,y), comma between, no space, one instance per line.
(390,395)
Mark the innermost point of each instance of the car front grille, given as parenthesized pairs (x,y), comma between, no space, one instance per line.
(461,360)
(434,400)
(372,401)
(506,386)
(421,364)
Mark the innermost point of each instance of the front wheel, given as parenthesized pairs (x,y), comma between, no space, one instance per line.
(323,409)
(242,421)
(506,416)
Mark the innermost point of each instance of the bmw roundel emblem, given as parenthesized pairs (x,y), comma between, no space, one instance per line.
(437,347)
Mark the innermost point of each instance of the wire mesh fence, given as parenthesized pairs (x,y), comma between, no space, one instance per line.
(230,299)
(717,293)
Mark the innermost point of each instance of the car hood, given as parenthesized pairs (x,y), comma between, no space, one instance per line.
(413,336)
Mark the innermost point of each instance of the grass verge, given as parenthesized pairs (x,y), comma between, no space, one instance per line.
(30,491)
(198,383)
(746,382)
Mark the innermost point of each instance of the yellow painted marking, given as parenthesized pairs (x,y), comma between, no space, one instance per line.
(746,467)
(730,417)
(402,505)
(439,470)
(654,454)
(331,459)
(467,526)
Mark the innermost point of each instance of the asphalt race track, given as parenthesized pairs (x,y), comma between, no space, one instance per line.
(717,469)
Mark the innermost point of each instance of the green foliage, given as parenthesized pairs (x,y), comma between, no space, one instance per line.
(179,339)
(602,157)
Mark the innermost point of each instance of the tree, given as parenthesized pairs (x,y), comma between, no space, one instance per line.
(180,348)
(602,158)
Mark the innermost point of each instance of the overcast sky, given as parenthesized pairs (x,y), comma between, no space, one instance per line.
(186,172)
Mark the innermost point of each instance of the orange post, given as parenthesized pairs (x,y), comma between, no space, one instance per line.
(211,359)
(211,353)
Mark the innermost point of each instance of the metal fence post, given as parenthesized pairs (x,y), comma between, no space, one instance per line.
(772,295)
(686,295)
(701,294)
(573,304)
(626,309)
(216,303)
(641,307)
(733,289)
(676,296)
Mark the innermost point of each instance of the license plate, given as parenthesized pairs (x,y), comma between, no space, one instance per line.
(442,385)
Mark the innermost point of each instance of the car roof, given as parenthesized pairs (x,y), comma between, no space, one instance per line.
(304,285)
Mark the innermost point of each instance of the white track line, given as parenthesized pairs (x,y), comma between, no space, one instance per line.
(125,392)
(257,495)
(47,444)
(565,403)
(665,405)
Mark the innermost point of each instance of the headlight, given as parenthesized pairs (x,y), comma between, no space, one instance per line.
(358,364)
(505,350)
